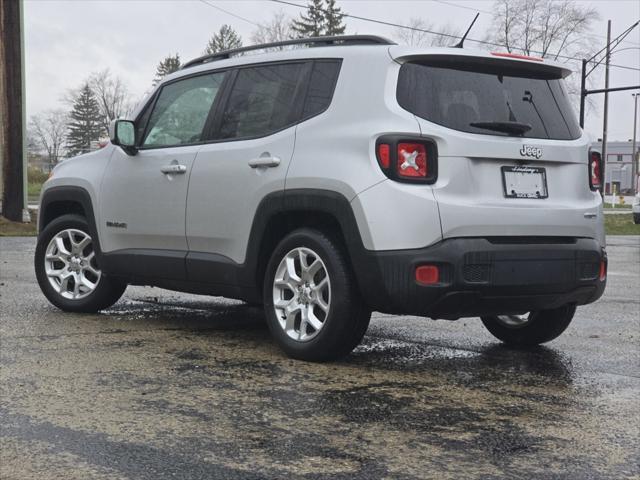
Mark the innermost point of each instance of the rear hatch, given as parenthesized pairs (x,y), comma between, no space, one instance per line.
(512,159)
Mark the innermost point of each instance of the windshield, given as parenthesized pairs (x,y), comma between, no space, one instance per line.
(489,99)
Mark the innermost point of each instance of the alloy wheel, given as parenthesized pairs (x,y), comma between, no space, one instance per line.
(302,294)
(70,264)
(513,321)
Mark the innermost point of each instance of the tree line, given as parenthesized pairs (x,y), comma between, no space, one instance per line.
(53,134)
(546,28)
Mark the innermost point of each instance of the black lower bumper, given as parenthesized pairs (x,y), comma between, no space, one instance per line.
(484,276)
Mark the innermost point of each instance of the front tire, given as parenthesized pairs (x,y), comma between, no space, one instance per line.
(67,269)
(312,303)
(636,218)
(538,327)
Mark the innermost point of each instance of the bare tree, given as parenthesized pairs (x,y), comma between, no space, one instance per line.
(48,131)
(544,28)
(413,36)
(416,37)
(277,29)
(112,96)
(553,29)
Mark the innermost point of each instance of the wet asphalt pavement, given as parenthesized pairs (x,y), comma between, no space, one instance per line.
(168,385)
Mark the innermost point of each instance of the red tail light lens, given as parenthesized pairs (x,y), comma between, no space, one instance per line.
(384,158)
(603,271)
(595,170)
(427,274)
(408,158)
(412,160)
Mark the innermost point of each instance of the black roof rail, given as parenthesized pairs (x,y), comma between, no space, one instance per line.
(311,41)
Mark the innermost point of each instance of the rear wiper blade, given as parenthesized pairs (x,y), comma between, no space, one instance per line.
(515,128)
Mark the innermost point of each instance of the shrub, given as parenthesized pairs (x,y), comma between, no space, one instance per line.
(35,175)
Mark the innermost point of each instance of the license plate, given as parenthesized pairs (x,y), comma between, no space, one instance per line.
(524,182)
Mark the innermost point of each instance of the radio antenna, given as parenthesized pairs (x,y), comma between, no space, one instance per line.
(460,44)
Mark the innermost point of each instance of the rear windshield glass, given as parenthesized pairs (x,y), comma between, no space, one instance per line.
(458,96)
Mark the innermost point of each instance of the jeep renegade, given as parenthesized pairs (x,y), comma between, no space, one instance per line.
(328,182)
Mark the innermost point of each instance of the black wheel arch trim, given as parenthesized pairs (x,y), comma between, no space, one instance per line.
(69,194)
(302,201)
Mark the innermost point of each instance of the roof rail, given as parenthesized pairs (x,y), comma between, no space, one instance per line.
(311,41)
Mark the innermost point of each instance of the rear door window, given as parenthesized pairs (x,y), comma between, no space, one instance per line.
(456,96)
(321,86)
(261,101)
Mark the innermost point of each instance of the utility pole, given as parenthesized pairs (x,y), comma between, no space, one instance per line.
(593,62)
(12,112)
(634,156)
(583,91)
(606,109)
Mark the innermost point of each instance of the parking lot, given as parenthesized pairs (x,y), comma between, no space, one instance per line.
(166,385)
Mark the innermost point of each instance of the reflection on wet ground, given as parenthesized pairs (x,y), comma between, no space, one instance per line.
(175,386)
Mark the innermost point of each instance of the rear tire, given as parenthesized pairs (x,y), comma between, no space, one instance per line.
(539,327)
(636,218)
(67,269)
(312,303)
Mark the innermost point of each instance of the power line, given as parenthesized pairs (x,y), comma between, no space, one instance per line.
(424,30)
(463,6)
(452,4)
(373,20)
(616,41)
(230,13)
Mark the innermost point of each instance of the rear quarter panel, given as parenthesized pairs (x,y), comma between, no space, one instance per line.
(336,151)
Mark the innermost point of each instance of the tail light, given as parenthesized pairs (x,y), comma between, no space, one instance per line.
(595,170)
(407,159)
(383,156)
(603,270)
(412,160)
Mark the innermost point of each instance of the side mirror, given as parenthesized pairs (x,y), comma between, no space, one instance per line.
(123,134)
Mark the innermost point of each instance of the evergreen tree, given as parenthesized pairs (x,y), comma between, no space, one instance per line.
(169,65)
(226,39)
(323,17)
(333,19)
(312,24)
(85,122)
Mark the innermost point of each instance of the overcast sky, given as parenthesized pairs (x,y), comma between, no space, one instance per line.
(67,40)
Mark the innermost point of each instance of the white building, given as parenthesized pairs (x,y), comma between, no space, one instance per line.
(617,172)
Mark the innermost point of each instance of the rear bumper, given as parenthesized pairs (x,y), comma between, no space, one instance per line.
(483,276)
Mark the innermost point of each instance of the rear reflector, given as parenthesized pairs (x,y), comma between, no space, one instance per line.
(412,160)
(515,55)
(427,274)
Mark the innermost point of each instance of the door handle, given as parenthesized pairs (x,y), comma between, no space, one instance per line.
(173,168)
(264,162)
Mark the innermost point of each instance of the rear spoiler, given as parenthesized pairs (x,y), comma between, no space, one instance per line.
(478,61)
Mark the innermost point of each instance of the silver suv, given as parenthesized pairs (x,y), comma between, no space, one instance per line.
(328,182)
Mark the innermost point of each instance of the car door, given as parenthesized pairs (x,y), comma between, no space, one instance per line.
(143,196)
(253,143)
